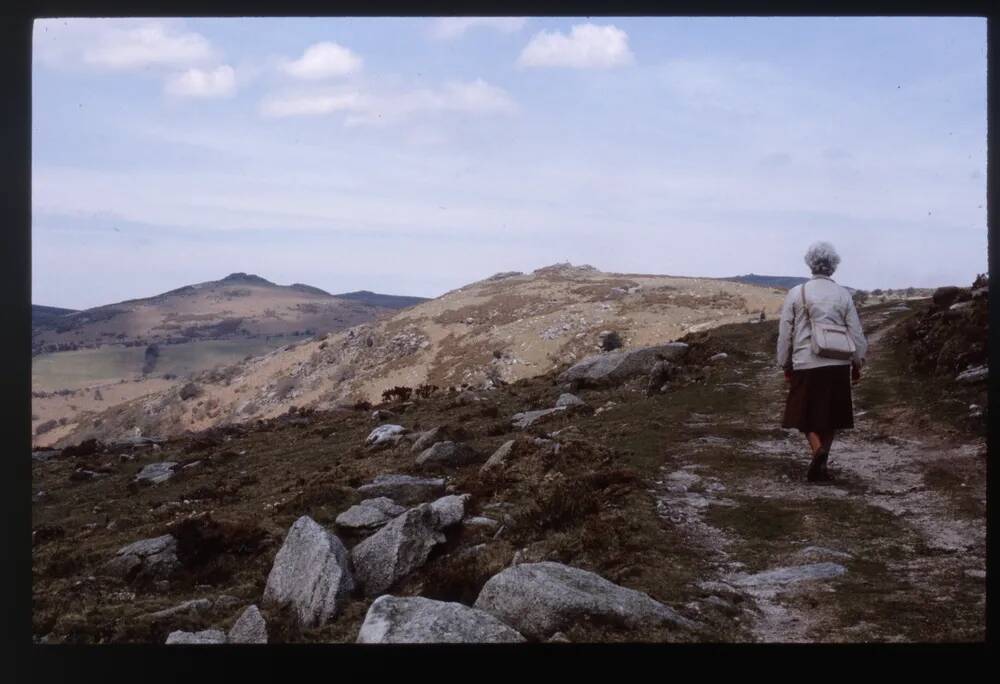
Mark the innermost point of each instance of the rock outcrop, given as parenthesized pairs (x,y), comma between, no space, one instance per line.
(311,573)
(404,544)
(618,366)
(418,620)
(154,558)
(540,599)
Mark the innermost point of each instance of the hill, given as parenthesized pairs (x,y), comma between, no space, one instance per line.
(387,301)
(240,305)
(47,315)
(499,330)
(784,282)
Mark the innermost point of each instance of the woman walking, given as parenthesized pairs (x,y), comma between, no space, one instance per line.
(821,348)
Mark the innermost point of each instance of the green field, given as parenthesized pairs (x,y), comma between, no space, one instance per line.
(75,369)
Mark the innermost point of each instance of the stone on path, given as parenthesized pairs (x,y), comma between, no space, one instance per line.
(791,575)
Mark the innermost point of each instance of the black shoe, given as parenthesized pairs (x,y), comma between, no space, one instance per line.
(817,467)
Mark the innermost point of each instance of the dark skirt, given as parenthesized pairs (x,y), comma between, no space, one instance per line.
(820,399)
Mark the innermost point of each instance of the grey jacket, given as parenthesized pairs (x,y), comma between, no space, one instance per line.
(828,302)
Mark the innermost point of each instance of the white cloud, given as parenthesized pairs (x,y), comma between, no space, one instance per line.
(588,46)
(475,97)
(205,83)
(324,60)
(118,44)
(448,28)
(148,45)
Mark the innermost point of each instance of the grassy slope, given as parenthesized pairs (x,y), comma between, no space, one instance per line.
(589,506)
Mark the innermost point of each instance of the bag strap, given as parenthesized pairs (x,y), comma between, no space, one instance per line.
(804,304)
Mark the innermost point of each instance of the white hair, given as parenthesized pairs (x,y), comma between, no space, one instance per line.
(822,258)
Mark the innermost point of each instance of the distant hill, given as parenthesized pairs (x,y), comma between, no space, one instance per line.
(45,315)
(239,306)
(783,282)
(507,327)
(383,300)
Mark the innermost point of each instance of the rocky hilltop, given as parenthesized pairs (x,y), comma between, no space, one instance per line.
(505,328)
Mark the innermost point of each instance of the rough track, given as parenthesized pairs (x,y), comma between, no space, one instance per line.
(890,552)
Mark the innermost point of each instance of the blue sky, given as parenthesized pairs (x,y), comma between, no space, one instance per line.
(416,155)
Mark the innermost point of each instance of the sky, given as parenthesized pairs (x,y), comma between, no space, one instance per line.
(416,155)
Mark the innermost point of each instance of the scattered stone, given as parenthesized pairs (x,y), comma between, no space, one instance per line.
(789,575)
(419,620)
(566,400)
(147,558)
(381,414)
(721,356)
(558,638)
(973,375)
(192,607)
(617,366)
(370,513)
(311,572)
(385,436)
(450,509)
(528,418)
(249,628)
(539,599)
(481,522)
(155,473)
(400,547)
(499,457)
(428,438)
(961,305)
(208,636)
(975,573)
(448,454)
(404,489)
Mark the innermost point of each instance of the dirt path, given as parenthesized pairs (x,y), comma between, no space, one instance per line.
(894,550)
